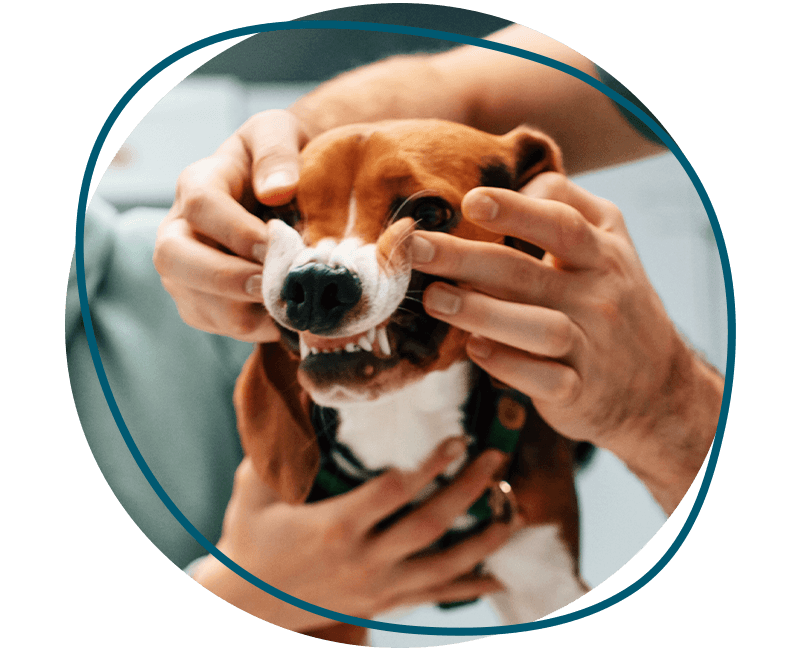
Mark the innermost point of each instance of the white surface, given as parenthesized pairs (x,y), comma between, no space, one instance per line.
(667,223)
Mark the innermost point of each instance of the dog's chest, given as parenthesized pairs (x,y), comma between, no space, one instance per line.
(403,428)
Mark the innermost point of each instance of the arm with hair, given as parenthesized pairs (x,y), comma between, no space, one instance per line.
(492,91)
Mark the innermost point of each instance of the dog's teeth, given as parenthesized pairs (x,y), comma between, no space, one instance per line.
(314,351)
(364,343)
(371,337)
(383,342)
(350,347)
(303,349)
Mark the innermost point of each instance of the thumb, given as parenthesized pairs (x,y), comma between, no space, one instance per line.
(273,140)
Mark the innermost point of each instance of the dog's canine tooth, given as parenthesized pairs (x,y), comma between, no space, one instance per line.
(314,351)
(371,337)
(350,347)
(303,349)
(383,342)
(365,344)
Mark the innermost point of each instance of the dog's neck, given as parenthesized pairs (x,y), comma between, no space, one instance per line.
(402,428)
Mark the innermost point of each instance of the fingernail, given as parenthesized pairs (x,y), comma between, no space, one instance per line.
(279,178)
(253,286)
(481,208)
(442,300)
(479,347)
(455,448)
(422,250)
(260,252)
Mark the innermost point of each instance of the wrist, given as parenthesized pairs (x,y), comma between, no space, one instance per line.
(666,447)
(240,593)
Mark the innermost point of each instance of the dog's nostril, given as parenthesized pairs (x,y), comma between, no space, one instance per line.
(330,297)
(296,294)
(318,296)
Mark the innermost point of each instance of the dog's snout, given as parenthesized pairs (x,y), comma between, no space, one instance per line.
(318,296)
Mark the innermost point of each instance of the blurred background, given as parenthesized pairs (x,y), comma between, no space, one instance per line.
(664,215)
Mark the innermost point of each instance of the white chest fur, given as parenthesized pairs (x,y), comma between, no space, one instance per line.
(402,428)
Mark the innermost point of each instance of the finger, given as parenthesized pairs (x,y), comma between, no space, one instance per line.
(498,270)
(274,139)
(180,258)
(434,518)
(540,379)
(541,331)
(458,560)
(557,187)
(556,227)
(243,321)
(219,217)
(384,495)
(463,589)
(249,490)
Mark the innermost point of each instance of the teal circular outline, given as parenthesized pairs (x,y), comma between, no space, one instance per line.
(427,33)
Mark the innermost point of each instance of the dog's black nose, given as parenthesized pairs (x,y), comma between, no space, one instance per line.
(318,296)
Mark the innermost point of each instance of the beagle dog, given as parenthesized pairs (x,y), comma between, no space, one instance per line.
(364,379)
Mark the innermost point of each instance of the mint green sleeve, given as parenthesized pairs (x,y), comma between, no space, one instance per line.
(173,385)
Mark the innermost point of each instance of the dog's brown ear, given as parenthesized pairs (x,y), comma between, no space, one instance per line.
(533,153)
(274,423)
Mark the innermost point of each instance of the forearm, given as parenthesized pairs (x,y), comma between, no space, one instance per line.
(667,452)
(489,90)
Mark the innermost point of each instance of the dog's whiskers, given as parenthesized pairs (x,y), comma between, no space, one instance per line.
(401,242)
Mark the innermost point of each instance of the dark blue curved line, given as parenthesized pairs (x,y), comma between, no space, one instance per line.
(428,33)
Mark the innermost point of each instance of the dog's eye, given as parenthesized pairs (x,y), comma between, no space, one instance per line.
(431,213)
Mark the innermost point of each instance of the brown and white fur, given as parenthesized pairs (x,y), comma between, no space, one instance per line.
(338,281)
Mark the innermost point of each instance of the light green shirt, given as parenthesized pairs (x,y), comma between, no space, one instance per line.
(173,385)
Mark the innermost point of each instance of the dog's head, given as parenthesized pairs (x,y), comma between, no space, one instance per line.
(337,275)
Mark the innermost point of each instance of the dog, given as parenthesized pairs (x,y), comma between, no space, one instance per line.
(364,379)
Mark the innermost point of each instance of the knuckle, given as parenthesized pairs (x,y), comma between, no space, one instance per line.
(194,202)
(573,230)
(338,535)
(610,210)
(188,180)
(160,256)
(394,488)
(524,274)
(561,337)
(243,476)
(549,184)
(270,116)
(164,251)
(567,388)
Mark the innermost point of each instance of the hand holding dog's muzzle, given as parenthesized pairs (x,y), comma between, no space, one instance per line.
(582,331)
(210,248)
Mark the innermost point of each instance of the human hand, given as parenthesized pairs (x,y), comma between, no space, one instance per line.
(582,332)
(210,247)
(330,554)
